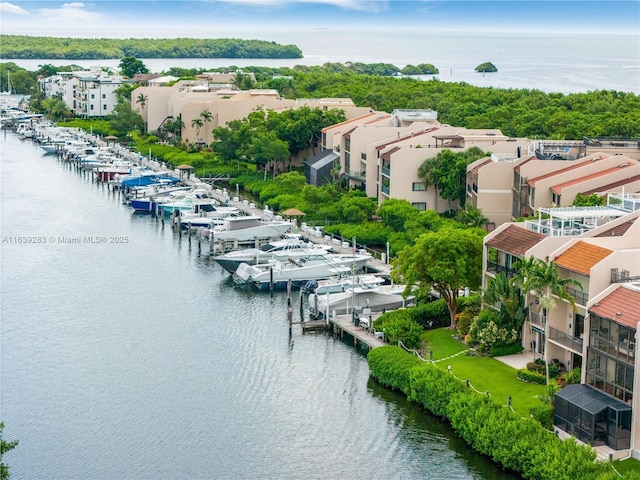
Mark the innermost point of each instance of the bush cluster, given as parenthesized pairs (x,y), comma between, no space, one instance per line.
(519,444)
(531,377)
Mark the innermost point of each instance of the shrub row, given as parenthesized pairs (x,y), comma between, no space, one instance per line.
(531,377)
(500,350)
(519,444)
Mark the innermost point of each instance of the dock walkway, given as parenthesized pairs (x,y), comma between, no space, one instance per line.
(343,324)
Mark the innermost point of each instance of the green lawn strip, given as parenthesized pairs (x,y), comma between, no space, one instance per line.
(485,373)
(488,374)
(627,466)
(441,342)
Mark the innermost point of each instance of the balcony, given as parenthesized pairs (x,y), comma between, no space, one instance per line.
(494,267)
(566,340)
(537,320)
(384,189)
(386,171)
(579,296)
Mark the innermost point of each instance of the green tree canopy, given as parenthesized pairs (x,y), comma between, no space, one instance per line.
(445,261)
(129,66)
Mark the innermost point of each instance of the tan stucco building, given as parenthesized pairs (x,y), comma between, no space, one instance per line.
(600,248)
(225,102)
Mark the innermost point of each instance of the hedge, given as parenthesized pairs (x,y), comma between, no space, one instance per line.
(500,350)
(531,377)
(519,444)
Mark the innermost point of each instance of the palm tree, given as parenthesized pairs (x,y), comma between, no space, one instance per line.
(142,100)
(197,124)
(542,279)
(206,116)
(504,295)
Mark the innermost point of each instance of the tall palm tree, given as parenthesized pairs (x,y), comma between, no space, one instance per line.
(542,279)
(197,124)
(206,116)
(142,100)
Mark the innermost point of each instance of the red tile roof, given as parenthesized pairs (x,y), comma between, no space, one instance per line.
(515,240)
(622,306)
(558,188)
(611,186)
(575,164)
(581,257)
(616,231)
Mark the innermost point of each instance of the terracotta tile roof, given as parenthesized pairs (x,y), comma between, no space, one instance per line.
(611,186)
(575,164)
(515,240)
(617,231)
(558,188)
(622,306)
(581,257)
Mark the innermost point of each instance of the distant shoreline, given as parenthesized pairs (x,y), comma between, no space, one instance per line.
(24,47)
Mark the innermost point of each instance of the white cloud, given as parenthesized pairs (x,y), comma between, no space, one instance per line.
(73,13)
(7,7)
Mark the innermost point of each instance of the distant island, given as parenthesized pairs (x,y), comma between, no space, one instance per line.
(61,48)
(486,67)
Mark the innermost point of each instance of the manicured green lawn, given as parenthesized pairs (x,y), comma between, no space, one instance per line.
(484,373)
(627,466)
(441,342)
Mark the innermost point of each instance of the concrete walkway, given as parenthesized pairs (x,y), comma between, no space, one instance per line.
(518,360)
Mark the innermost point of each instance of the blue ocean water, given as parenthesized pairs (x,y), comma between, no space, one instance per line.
(564,63)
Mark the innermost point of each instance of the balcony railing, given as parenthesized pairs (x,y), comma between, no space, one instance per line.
(579,296)
(384,189)
(386,171)
(537,319)
(565,339)
(494,267)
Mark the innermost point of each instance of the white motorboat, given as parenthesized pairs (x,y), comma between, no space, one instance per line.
(361,299)
(342,283)
(291,245)
(246,228)
(278,272)
(206,215)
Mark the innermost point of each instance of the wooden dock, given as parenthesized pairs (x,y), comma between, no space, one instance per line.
(342,325)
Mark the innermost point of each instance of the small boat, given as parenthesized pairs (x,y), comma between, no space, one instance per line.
(291,245)
(246,228)
(340,284)
(278,272)
(206,215)
(362,299)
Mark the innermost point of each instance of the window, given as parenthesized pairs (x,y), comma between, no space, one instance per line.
(418,187)
(92,107)
(421,206)
(104,95)
(93,96)
(104,107)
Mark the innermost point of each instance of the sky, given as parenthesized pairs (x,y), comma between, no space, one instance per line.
(255,19)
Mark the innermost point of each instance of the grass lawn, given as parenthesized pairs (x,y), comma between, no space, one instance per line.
(627,466)
(484,373)
(441,343)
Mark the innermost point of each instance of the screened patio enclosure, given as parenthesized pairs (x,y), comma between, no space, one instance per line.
(593,416)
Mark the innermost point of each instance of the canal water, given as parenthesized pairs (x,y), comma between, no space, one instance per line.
(127,354)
